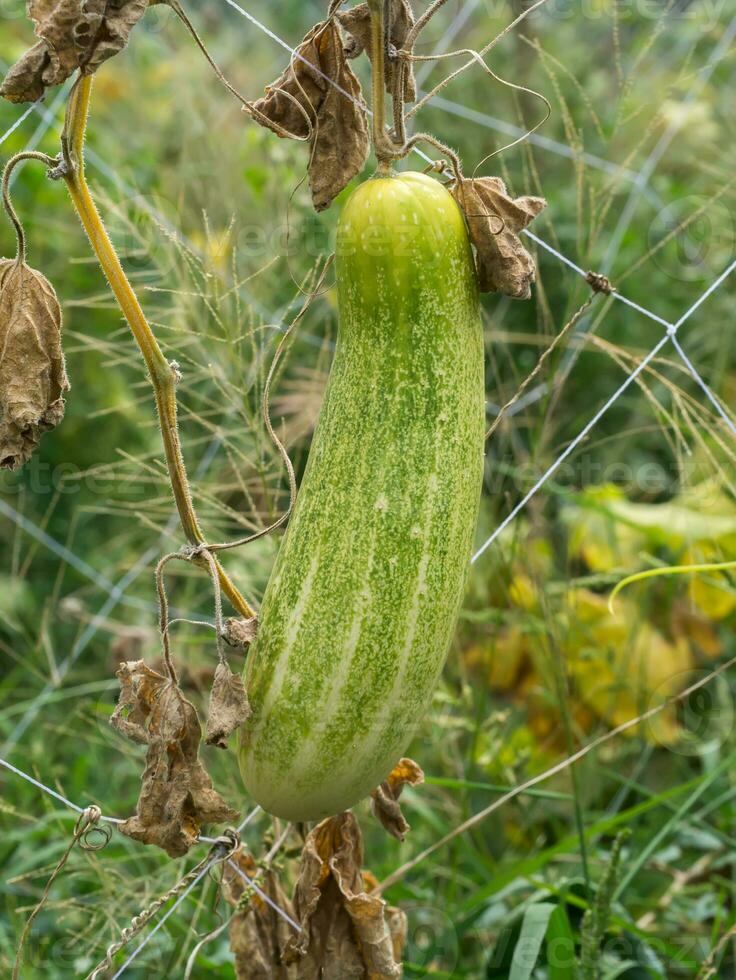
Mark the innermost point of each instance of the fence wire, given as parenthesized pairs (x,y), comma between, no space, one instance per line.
(671,329)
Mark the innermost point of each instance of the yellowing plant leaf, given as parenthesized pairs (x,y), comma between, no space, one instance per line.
(501,659)
(523,592)
(385,798)
(675,525)
(696,628)
(608,531)
(623,666)
(713,593)
(596,536)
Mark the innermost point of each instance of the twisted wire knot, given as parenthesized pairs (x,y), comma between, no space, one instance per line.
(92,837)
(226,843)
(600,283)
(221,849)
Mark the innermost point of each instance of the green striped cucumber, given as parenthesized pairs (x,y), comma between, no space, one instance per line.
(362,602)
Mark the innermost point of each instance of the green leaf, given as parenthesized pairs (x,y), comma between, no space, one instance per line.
(621,970)
(498,964)
(528,946)
(560,946)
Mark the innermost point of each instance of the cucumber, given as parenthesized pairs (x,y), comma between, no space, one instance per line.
(362,602)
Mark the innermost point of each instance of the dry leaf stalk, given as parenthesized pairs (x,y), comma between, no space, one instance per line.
(356,22)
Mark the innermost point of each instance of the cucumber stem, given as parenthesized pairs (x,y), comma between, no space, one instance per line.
(385,149)
(163,375)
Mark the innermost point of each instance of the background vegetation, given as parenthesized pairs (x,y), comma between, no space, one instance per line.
(211,219)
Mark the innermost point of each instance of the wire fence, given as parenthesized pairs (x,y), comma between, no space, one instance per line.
(117,592)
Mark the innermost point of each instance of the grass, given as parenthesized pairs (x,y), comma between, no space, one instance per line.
(536,669)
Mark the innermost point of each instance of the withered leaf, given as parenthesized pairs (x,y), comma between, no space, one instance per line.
(494,221)
(346,930)
(398,925)
(240,632)
(177,796)
(228,708)
(32,372)
(356,23)
(385,798)
(303,102)
(258,933)
(74,34)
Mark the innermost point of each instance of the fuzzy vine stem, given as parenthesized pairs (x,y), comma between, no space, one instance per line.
(386,150)
(7,202)
(163,374)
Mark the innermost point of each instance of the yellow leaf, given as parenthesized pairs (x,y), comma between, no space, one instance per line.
(501,660)
(523,592)
(711,592)
(596,536)
(622,666)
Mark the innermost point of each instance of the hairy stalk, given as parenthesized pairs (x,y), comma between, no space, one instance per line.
(8,204)
(596,918)
(163,375)
(386,149)
(421,23)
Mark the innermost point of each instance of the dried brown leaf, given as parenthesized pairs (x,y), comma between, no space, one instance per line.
(303,102)
(494,221)
(177,796)
(292,102)
(356,23)
(385,798)
(396,918)
(346,930)
(258,933)
(229,707)
(74,34)
(23,81)
(240,632)
(140,687)
(32,372)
